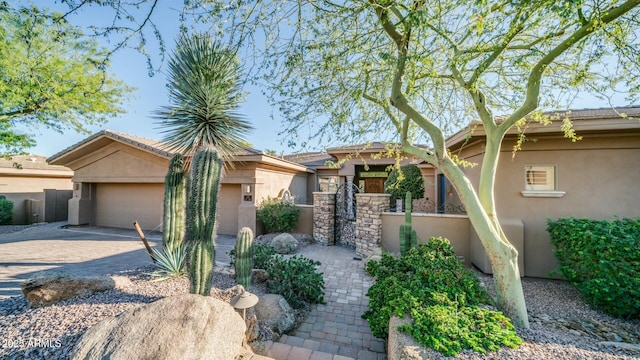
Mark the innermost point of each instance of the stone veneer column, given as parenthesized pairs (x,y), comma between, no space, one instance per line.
(369,221)
(324,204)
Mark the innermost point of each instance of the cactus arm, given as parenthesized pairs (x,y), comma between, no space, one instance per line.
(173,220)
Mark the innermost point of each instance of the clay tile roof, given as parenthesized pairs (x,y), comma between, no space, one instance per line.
(29,162)
(318,158)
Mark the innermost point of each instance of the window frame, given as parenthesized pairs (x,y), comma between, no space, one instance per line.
(329,183)
(549,188)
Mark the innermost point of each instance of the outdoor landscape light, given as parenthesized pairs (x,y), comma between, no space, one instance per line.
(244,301)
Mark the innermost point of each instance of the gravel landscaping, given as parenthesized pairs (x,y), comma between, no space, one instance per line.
(562,326)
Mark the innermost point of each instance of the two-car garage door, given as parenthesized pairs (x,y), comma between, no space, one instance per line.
(119,205)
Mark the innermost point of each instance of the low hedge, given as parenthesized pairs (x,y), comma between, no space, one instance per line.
(601,258)
(443,298)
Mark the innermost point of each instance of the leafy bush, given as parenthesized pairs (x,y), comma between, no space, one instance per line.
(601,259)
(262,253)
(408,178)
(277,215)
(170,262)
(296,279)
(6,211)
(431,284)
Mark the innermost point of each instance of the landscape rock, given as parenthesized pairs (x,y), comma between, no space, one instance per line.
(274,312)
(402,346)
(376,255)
(260,275)
(50,287)
(285,243)
(179,327)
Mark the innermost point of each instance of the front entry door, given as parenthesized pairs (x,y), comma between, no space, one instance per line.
(374,185)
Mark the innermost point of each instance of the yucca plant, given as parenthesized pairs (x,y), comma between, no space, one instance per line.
(170,262)
(204,92)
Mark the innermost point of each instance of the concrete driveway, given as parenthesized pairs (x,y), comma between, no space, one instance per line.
(86,250)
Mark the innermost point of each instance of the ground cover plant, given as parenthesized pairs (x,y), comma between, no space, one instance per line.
(444,299)
(262,253)
(601,259)
(296,279)
(277,215)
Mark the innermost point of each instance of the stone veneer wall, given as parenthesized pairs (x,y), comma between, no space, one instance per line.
(369,221)
(324,204)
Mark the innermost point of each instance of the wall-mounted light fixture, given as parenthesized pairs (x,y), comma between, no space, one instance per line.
(247,189)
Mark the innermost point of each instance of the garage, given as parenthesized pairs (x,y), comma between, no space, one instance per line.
(119,205)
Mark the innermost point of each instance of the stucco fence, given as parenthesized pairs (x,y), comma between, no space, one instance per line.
(377,227)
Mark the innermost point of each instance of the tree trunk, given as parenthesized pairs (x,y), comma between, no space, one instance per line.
(503,256)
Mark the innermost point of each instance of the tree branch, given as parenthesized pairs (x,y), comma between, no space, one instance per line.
(534,81)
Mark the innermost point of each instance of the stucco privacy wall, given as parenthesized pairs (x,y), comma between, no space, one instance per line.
(456,228)
(599,175)
(20,185)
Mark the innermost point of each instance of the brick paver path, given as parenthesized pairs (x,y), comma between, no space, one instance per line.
(335,330)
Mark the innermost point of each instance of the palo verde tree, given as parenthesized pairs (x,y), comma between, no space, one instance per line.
(51,76)
(358,68)
(425,68)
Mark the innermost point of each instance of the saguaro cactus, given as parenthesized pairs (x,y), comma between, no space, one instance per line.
(244,256)
(173,220)
(408,236)
(204,182)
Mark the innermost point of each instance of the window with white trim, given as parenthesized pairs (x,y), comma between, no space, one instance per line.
(540,177)
(328,183)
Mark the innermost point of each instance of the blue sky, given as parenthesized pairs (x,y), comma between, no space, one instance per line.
(150,94)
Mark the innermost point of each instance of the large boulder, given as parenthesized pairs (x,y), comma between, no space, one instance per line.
(50,287)
(179,327)
(402,346)
(274,312)
(285,243)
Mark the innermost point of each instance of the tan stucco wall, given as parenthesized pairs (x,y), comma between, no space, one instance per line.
(456,228)
(228,203)
(117,162)
(271,182)
(305,221)
(599,175)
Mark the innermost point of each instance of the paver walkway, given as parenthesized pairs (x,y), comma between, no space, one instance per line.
(335,330)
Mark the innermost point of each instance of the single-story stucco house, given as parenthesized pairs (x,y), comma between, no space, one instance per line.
(39,191)
(118,178)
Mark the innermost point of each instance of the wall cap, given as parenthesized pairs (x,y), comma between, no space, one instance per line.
(323,193)
(454,216)
(373,195)
(543,193)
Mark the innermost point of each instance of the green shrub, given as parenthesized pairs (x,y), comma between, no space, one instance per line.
(296,279)
(277,215)
(601,259)
(409,178)
(6,211)
(262,253)
(431,284)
